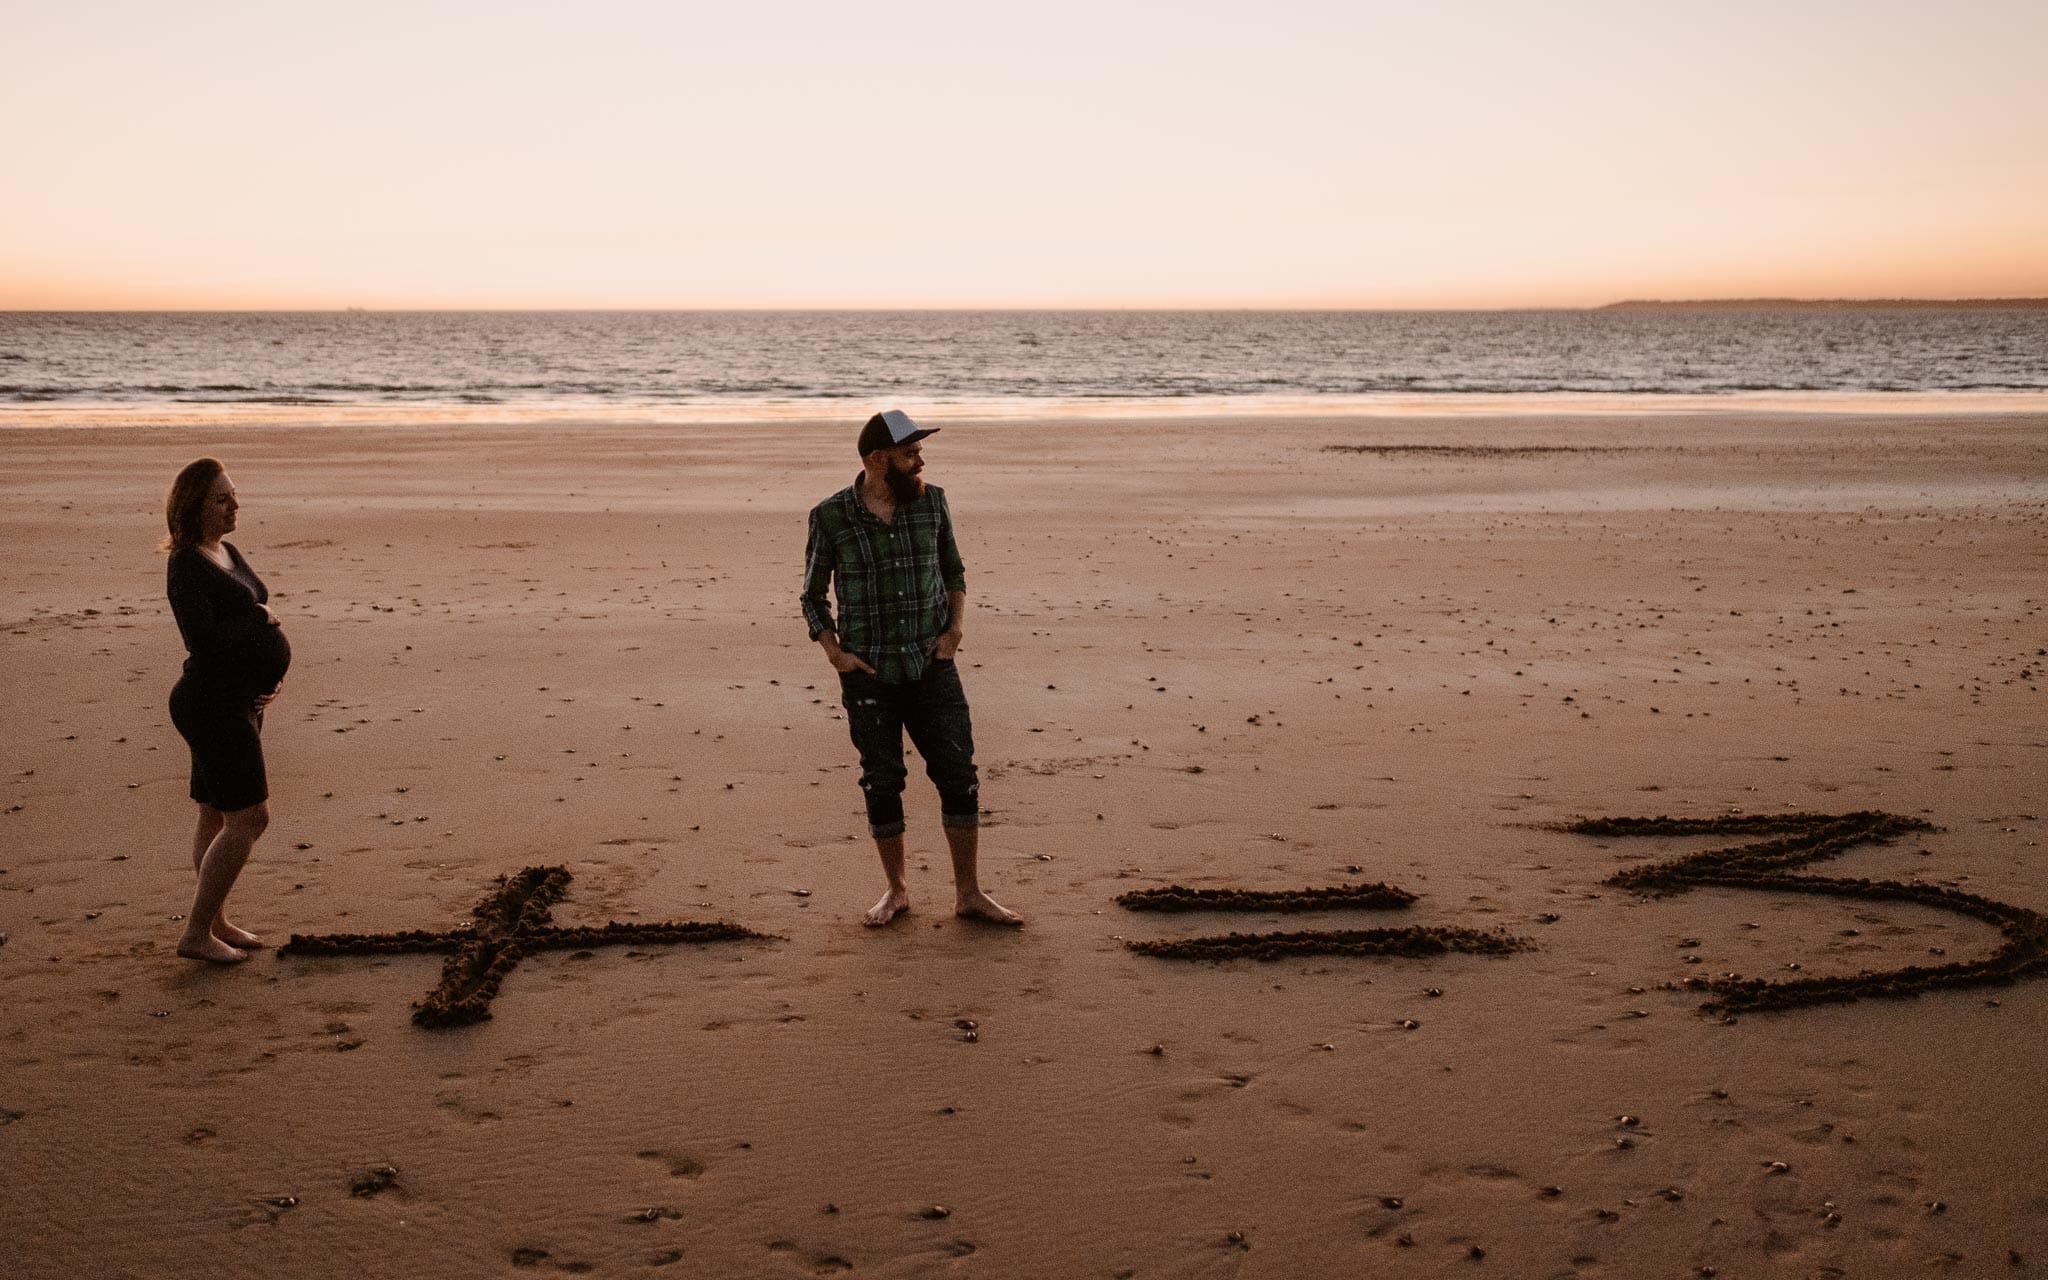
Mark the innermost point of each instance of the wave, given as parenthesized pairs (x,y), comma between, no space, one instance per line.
(256,400)
(626,398)
(742,358)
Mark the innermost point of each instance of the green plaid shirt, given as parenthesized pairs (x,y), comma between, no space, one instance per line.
(891,580)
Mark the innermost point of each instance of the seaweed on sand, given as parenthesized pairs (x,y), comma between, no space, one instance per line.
(1363,897)
(511,922)
(1432,941)
(1424,941)
(1803,838)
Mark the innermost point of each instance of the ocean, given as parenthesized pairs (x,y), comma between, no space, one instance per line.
(744,360)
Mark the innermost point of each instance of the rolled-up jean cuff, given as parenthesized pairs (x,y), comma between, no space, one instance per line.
(886,829)
(963,820)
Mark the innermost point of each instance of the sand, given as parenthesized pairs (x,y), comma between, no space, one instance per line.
(1216,654)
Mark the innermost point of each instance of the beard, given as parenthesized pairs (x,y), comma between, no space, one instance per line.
(905,486)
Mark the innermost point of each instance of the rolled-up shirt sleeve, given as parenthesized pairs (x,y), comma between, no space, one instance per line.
(818,566)
(951,570)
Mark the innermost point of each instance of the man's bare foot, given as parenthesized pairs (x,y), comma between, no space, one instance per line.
(235,937)
(980,906)
(894,903)
(208,947)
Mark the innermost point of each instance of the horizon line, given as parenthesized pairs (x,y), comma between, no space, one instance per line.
(1752,301)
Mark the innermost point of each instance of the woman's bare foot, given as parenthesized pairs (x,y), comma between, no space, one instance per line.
(894,903)
(208,947)
(980,906)
(235,937)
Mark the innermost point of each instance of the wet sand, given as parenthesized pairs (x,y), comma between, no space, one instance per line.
(1216,654)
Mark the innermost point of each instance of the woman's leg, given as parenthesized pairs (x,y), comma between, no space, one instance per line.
(219,865)
(202,839)
(210,821)
(235,935)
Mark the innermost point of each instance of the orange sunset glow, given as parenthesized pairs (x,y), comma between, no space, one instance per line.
(914,155)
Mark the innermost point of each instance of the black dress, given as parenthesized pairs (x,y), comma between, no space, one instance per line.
(237,655)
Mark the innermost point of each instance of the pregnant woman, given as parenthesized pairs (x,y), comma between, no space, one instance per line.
(237,663)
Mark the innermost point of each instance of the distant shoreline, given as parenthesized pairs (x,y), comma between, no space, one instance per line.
(1226,411)
(1828,304)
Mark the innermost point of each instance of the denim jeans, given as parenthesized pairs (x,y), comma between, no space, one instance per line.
(934,712)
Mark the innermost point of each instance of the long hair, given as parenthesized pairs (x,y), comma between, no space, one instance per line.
(187,496)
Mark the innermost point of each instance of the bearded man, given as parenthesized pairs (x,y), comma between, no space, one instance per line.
(884,546)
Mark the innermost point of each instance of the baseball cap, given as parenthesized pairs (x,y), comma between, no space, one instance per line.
(888,429)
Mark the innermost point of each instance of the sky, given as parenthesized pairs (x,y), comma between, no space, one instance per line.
(1113,153)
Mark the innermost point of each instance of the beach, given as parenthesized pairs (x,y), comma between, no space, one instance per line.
(1261,653)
